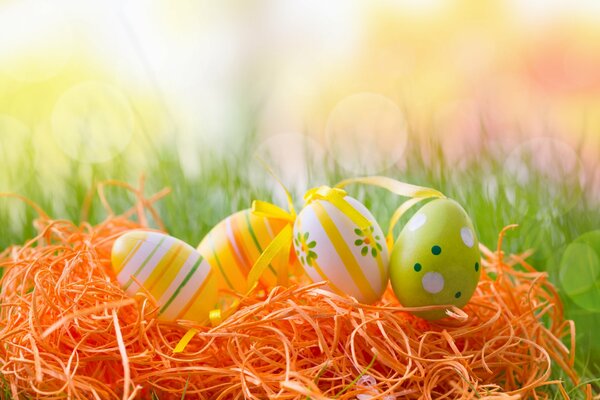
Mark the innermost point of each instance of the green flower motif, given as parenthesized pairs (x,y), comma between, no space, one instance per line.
(368,241)
(303,249)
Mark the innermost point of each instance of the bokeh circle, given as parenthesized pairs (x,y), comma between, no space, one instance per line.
(579,273)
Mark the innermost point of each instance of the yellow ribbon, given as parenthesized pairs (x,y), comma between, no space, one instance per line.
(404,207)
(185,340)
(271,211)
(336,196)
(281,244)
(215,316)
(416,194)
(394,186)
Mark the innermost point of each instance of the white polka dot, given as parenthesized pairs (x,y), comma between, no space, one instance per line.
(417,221)
(467,236)
(433,282)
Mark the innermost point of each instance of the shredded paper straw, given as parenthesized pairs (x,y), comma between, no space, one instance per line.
(68,329)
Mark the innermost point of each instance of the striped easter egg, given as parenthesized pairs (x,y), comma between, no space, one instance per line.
(177,276)
(332,248)
(234,244)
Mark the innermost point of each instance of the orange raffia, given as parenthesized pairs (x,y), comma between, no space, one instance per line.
(67,328)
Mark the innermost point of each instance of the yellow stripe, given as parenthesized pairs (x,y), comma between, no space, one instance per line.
(243,260)
(199,308)
(131,253)
(341,247)
(247,243)
(318,268)
(162,265)
(230,275)
(260,230)
(172,271)
(324,277)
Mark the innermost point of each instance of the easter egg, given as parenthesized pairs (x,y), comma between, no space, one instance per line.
(234,244)
(173,272)
(436,259)
(332,248)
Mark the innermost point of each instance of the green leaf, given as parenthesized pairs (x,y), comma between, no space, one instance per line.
(378,246)
(312,254)
(364,251)
(312,245)
(374,252)
(358,242)
(358,232)
(306,236)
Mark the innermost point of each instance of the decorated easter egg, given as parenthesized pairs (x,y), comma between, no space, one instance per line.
(332,248)
(436,259)
(234,244)
(173,272)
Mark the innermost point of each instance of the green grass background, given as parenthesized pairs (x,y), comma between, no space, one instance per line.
(226,183)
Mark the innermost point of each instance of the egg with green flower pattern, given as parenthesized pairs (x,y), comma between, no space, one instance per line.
(332,248)
(436,259)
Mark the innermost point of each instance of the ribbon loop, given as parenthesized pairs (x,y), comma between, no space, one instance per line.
(404,207)
(269,210)
(394,186)
(323,193)
(336,196)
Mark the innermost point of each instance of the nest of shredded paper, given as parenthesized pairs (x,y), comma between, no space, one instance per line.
(67,329)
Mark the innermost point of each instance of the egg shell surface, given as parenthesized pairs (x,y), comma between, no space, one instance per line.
(178,277)
(436,258)
(234,244)
(332,248)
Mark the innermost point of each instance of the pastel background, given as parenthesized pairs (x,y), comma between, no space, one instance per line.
(495,103)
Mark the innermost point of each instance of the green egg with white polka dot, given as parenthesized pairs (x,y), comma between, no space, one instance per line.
(436,259)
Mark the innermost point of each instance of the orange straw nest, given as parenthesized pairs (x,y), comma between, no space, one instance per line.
(68,330)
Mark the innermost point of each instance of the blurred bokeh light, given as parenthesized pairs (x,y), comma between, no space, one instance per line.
(204,72)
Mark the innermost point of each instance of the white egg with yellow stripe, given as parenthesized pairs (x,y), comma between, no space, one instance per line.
(173,272)
(332,247)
